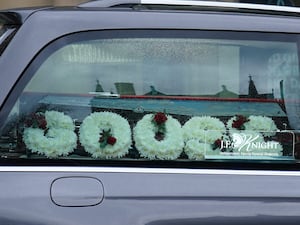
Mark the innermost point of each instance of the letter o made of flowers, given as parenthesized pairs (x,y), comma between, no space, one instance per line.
(50,134)
(150,146)
(105,135)
(201,135)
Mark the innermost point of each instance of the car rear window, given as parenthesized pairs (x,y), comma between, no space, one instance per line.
(176,96)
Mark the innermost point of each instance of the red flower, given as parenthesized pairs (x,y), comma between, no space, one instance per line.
(42,123)
(218,143)
(160,118)
(111,140)
(36,121)
(239,122)
(106,138)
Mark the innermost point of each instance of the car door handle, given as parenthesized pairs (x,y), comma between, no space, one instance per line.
(76,191)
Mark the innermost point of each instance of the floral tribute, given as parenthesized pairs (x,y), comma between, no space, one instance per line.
(198,150)
(262,124)
(203,136)
(254,130)
(158,136)
(105,135)
(50,134)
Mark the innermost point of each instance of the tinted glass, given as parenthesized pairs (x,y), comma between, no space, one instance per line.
(147,95)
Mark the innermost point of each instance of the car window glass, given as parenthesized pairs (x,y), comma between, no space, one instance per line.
(271,2)
(265,2)
(176,96)
(6,34)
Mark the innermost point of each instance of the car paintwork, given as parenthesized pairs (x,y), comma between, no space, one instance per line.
(155,197)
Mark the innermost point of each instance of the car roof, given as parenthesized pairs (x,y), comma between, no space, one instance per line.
(212,5)
(19,15)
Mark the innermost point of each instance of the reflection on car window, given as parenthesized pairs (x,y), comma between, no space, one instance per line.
(6,34)
(193,97)
(271,2)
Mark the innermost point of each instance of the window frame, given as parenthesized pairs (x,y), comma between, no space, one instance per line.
(140,33)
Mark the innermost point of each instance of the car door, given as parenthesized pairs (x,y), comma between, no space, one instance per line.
(160,126)
(153,196)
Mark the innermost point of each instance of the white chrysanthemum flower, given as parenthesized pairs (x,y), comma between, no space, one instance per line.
(262,124)
(169,148)
(59,140)
(97,122)
(59,120)
(196,150)
(205,129)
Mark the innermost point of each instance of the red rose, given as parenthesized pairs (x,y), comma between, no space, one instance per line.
(36,121)
(42,123)
(28,122)
(218,143)
(239,122)
(160,118)
(111,140)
